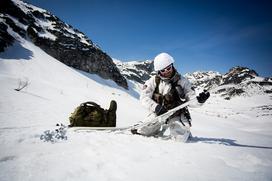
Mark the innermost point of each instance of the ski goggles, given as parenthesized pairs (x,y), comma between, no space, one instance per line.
(167,69)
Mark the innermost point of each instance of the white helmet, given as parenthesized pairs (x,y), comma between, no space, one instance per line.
(162,60)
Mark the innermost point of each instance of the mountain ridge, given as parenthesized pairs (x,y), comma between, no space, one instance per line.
(56,38)
(238,81)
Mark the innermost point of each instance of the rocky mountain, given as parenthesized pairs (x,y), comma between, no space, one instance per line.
(56,38)
(135,71)
(239,81)
(205,80)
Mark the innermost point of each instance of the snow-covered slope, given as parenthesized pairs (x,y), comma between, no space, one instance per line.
(232,139)
(53,83)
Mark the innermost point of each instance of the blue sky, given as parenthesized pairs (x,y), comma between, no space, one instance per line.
(200,35)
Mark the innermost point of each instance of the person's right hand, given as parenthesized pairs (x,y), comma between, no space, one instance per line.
(159,110)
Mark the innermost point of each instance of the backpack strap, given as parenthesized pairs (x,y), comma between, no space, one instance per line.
(157,81)
(157,97)
(91,103)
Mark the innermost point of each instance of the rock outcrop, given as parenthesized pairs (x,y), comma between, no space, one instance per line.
(56,38)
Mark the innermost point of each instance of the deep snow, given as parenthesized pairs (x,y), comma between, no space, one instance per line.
(232,139)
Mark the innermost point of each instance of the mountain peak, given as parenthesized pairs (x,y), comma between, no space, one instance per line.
(56,38)
(238,74)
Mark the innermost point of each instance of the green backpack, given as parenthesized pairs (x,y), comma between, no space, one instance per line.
(90,114)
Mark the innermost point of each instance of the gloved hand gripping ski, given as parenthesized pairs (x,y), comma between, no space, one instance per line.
(203,96)
(159,110)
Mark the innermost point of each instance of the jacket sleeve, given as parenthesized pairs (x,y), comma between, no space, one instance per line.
(147,93)
(189,92)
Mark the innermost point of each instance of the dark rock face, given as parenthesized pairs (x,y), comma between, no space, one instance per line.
(57,39)
(238,74)
(5,39)
(213,82)
(231,92)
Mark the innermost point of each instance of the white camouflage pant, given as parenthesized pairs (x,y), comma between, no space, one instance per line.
(176,128)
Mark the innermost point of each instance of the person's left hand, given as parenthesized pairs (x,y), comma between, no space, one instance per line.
(203,96)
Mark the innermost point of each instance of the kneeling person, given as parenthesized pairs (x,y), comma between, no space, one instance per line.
(164,91)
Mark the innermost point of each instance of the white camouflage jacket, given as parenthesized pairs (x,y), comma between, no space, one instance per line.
(164,88)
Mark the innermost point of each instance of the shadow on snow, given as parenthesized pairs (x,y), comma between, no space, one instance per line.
(223,141)
(16,52)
